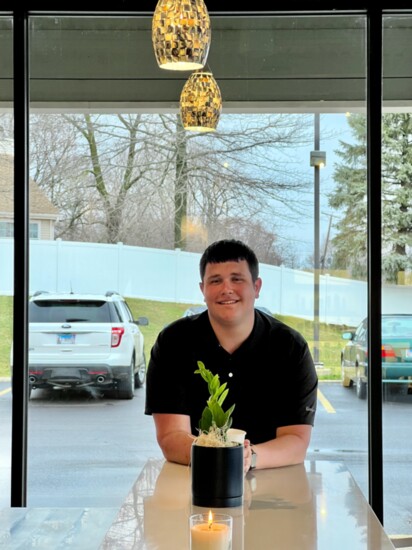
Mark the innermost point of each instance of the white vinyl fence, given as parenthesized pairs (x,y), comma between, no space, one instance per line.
(173,275)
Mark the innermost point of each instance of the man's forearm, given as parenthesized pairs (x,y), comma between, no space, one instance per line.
(285,450)
(176,446)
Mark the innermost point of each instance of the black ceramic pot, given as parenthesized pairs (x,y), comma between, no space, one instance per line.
(217,476)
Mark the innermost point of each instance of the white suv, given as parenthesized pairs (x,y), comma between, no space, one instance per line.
(79,340)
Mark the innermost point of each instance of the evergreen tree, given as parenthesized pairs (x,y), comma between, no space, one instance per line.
(397,195)
(350,243)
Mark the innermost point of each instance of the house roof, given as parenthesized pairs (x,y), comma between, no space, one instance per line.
(39,203)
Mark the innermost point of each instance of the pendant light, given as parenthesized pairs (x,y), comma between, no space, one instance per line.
(181,34)
(200,102)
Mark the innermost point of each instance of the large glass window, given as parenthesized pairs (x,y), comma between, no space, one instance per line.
(123,200)
(396,270)
(6,252)
(132,198)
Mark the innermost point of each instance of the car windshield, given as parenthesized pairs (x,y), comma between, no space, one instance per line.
(264,310)
(195,310)
(69,311)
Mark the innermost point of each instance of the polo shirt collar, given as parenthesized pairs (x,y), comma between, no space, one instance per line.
(209,338)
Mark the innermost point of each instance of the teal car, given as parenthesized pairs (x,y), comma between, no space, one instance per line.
(396,354)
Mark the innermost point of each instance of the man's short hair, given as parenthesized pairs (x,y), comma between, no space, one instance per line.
(229,250)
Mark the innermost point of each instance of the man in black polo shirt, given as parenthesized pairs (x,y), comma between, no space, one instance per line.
(267,366)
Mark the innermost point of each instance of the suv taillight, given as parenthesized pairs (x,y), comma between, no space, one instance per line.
(117,333)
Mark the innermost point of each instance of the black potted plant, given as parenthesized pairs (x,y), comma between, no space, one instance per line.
(216,461)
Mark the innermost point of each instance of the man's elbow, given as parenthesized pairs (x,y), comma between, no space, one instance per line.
(298,445)
(299,456)
(176,447)
(301,448)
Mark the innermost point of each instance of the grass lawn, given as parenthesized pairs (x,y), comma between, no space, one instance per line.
(162,313)
(6,332)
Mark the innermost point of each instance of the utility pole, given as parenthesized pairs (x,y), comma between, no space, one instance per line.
(325,248)
(317,160)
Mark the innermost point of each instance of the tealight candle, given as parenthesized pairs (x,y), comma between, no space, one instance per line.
(210,531)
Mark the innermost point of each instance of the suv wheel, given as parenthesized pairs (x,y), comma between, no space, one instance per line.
(361,388)
(125,387)
(140,375)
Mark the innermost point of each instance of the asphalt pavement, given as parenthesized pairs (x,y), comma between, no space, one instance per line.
(87,450)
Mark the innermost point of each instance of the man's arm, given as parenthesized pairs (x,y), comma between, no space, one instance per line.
(288,448)
(174,436)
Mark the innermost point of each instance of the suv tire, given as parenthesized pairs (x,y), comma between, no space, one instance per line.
(140,376)
(361,388)
(125,387)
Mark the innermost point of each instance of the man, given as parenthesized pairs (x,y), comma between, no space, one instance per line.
(266,364)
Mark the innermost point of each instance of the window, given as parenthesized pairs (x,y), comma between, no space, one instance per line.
(287,66)
(34,230)
(252,179)
(6,229)
(396,271)
(7,250)
(65,311)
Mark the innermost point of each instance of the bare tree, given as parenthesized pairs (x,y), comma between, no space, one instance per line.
(112,190)
(143,179)
(59,168)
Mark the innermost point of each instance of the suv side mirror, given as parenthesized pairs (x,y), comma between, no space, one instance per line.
(142,321)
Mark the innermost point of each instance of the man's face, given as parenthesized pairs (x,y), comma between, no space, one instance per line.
(229,291)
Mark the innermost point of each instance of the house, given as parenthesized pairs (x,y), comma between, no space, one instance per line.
(43,214)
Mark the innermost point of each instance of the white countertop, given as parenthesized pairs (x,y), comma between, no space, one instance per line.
(312,506)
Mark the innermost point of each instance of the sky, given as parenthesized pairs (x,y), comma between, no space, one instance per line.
(333,127)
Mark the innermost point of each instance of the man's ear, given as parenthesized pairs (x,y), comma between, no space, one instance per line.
(258,286)
(201,287)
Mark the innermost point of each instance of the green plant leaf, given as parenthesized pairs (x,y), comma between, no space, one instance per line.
(213,414)
(214,385)
(206,420)
(223,396)
(228,414)
(219,416)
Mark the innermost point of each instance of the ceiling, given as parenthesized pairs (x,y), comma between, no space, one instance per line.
(290,63)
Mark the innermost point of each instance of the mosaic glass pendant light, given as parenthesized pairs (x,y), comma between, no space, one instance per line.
(200,102)
(181,34)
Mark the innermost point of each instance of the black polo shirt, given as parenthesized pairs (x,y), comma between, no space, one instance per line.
(271,377)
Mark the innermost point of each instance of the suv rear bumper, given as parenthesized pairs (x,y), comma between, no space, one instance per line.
(75,376)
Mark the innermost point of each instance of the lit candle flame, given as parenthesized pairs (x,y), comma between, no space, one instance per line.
(210,519)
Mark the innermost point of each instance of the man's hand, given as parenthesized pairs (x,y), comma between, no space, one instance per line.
(247,456)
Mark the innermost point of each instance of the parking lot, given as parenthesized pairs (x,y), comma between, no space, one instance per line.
(87,450)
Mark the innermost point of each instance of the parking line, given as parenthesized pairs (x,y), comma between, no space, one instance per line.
(326,404)
(3,392)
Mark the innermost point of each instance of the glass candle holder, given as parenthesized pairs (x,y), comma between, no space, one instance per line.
(210,531)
